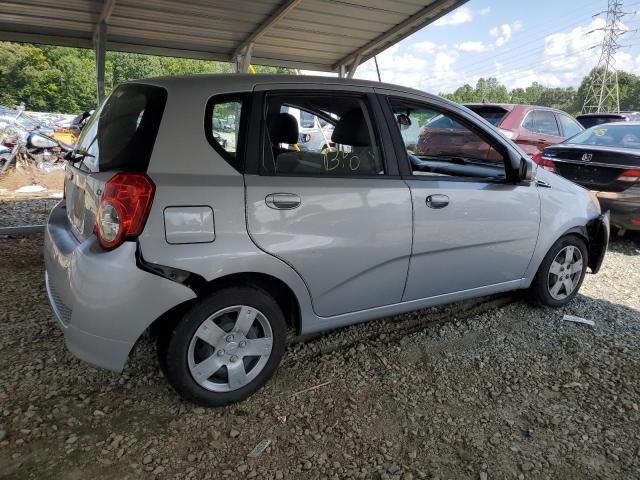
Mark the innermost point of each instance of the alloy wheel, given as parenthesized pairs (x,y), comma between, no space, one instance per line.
(230,348)
(565,272)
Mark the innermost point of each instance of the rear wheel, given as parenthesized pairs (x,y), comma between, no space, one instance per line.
(226,347)
(561,273)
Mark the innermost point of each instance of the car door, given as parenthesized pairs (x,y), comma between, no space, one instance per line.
(341,217)
(472,228)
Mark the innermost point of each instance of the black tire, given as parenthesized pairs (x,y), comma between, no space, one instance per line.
(539,291)
(173,348)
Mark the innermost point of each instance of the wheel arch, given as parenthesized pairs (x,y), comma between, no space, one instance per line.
(275,287)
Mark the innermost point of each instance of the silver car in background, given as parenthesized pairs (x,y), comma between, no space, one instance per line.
(219,248)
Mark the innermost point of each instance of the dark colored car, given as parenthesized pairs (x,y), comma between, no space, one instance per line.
(606,160)
(589,120)
(533,128)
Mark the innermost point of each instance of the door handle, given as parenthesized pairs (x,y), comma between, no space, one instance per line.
(282,201)
(437,201)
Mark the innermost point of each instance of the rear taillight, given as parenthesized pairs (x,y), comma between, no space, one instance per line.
(537,158)
(123,209)
(629,176)
(547,164)
(508,133)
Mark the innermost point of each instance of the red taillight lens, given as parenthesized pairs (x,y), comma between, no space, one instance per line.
(549,165)
(124,208)
(537,158)
(629,176)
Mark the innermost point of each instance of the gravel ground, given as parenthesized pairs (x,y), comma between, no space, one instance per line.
(494,389)
(26,212)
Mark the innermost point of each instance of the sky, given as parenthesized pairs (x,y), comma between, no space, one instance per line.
(518,42)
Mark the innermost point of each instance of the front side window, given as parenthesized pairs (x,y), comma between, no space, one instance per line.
(320,135)
(542,121)
(569,126)
(439,145)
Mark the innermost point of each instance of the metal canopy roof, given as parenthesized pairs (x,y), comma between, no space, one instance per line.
(310,34)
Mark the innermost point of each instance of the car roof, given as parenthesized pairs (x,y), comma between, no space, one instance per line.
(605,114)
(618,124)
(511,106)
(246,82)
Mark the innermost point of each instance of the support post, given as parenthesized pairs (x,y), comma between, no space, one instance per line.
(354,66)
(342,73)
(99,45)
(246,58)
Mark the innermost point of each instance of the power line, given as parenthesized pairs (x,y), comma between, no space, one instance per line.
(604,90)
(514,48)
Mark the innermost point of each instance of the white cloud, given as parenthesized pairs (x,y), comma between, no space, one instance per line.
(564,61)
(457,17)
(425,47)
(460,15)
(504,32)
(476,47)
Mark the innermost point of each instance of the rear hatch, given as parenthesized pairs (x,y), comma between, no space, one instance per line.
(595,168)
(118,137)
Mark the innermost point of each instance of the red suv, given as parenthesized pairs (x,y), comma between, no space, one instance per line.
(533,128)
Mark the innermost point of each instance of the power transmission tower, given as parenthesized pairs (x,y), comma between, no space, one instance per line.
(603,93)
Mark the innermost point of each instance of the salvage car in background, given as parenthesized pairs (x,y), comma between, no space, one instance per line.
(220,253)
(588,120)
(606,160)
(532,127)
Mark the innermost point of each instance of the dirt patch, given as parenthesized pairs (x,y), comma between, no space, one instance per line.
(26,176)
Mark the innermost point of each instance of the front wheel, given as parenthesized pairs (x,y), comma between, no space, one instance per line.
(226,347)
(561,273)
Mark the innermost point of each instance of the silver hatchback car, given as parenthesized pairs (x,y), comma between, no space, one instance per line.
(220,242)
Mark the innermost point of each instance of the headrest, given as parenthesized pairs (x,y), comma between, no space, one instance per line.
(283,128)
(352,130)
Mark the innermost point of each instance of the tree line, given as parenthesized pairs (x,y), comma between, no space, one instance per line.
(568,99)
(62,79)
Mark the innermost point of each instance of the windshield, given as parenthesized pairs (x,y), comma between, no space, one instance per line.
(611,135)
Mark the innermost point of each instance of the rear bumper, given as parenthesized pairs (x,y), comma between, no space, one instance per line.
(624,207)
(102,300)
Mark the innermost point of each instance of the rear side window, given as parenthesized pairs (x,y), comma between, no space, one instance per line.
(542,121)
(320,134)
(223,123)
(120,135)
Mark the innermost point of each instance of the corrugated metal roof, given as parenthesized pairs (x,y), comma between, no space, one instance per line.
(311,34)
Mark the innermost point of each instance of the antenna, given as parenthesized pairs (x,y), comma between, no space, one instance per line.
(603,93)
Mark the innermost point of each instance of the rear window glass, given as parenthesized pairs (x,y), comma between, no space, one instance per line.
(617,135)
(492,115)
(120,135)
(588,122)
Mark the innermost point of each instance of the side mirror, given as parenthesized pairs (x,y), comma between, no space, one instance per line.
(525,172)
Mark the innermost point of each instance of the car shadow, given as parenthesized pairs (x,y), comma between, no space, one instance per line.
(629,244)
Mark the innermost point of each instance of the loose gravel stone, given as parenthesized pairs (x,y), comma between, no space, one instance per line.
(420,395)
